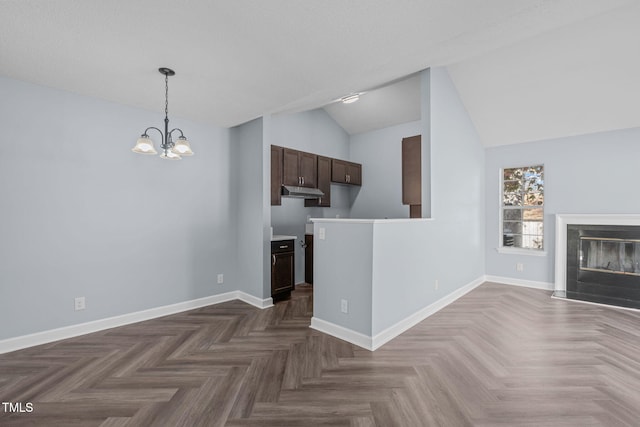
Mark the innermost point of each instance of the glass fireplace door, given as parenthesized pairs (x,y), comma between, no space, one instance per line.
(610,255)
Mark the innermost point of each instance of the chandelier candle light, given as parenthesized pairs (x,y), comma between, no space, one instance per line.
(170,150)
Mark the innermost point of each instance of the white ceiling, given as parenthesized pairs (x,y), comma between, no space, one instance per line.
(392,104)
(577,79)
(525,69)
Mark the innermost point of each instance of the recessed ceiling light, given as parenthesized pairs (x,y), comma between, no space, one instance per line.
(350,98)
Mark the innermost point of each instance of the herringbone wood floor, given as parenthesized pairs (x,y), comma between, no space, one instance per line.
(500,356)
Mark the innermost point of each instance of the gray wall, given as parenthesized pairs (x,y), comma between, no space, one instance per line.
(247,190)
(81,215)
(315,132)
(380,152)
(586,174)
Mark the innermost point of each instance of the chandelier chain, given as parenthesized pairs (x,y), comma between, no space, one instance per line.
(166,95)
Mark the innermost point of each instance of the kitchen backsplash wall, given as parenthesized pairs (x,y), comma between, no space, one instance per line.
(315,132)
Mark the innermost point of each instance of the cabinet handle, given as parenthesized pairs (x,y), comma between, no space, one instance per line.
(273,257)
(303,180)
(283,246)
(348,178)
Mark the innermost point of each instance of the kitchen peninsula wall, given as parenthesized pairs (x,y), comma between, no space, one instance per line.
(407,269)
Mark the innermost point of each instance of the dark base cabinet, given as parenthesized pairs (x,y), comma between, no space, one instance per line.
(282,269)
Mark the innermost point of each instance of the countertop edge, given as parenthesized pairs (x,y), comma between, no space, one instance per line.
(280,237)
(369,221)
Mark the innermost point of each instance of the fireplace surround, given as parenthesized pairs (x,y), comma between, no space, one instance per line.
(603,264)
(598,258)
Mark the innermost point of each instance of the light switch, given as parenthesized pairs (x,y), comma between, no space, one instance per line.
(321,233)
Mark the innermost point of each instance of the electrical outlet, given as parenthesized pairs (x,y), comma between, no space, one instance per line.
(519,266)
(344,306)
(220,279)
(437,285)
(321,233)
(80,303)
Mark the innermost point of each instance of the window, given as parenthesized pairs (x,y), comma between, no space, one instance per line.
(523,207)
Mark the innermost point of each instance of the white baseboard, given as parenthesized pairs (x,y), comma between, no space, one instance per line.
(349,335)
(521,282)
(374,342)
(417,317)
(44,337)
(255,301)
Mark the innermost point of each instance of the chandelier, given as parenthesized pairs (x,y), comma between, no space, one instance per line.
(170,150)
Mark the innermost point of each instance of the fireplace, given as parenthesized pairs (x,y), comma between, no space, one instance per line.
(603,264)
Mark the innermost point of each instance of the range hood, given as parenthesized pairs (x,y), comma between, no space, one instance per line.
(301,192)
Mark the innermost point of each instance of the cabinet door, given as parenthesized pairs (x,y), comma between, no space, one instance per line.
(339,171)
(276,175)
(282,272)
(354,174)
(344,172)
(324,183)
(291,169)
(308,169)
(412,175)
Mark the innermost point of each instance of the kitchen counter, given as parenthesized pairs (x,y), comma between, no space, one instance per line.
(279,237)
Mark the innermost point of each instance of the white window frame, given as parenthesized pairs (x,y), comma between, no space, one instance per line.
(511,249)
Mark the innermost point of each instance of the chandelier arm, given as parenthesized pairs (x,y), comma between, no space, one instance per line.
(163,144)
(153,127)
(178,129)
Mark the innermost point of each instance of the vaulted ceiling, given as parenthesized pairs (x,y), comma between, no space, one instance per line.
(525,69)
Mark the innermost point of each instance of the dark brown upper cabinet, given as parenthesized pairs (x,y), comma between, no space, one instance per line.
(412,175)
(302,169)
(343,172)
(299,168)
(276,175)
(324,183)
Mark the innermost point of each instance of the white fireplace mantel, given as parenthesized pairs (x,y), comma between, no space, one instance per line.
(562,220)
